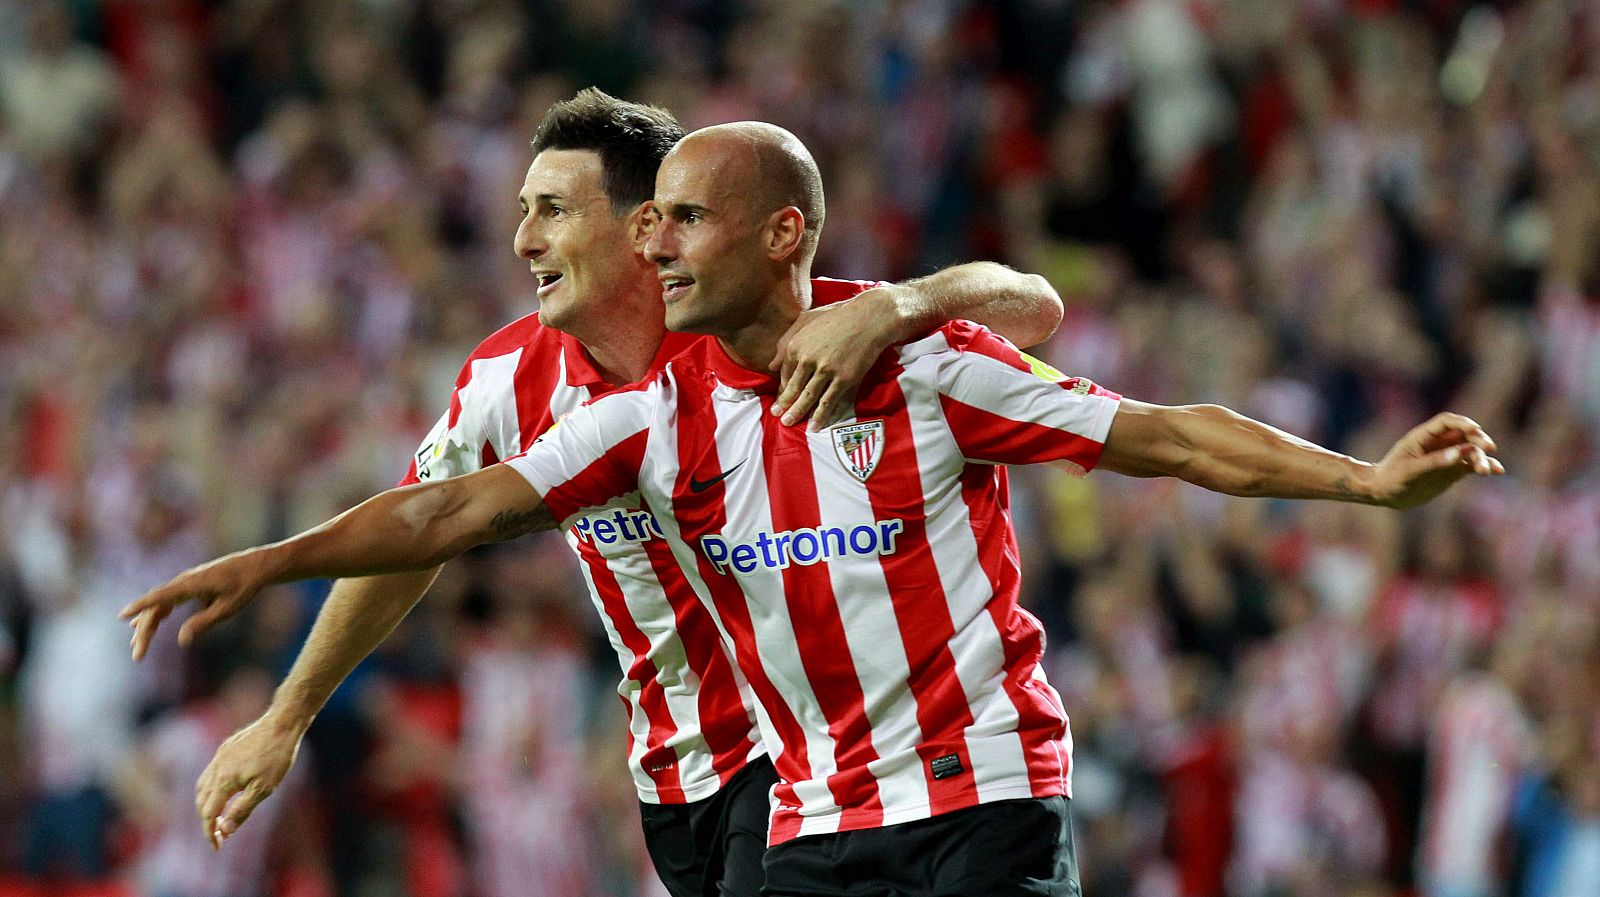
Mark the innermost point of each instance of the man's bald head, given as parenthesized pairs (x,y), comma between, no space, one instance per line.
(737,213)
(768,165)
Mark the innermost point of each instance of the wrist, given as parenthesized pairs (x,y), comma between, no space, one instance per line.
(1361,485)
(286,720)
(272,564)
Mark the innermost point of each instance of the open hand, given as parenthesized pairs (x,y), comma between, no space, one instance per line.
(825,353)
(222,588)
(1431,458)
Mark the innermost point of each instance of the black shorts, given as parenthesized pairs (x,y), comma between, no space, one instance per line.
(713,847)
(1010,847)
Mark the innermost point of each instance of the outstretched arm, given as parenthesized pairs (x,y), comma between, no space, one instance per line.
(826,353)
(412,528)
(1223,451)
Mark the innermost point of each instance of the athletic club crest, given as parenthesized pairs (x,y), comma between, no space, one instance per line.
(859,447)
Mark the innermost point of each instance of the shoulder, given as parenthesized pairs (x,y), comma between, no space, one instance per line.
(963,349)
(957,338)
(521,362)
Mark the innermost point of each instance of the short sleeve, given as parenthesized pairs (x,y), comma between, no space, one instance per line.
(591,456)
(1004,406)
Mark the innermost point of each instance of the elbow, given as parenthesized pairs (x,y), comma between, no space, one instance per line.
(429,520)
(1048,309)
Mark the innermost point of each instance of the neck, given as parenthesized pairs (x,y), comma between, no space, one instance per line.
(755,345)
(624,360)
(624,343)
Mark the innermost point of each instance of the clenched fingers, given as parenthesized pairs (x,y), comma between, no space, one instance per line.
(1462,460)
(1449,424)
(239,809)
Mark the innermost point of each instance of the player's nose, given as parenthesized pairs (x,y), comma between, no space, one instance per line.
(529,242)
(660,242)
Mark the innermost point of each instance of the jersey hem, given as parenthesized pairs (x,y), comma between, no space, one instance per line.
(649,794)
(913,813)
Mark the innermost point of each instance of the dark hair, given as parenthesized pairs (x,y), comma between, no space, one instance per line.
(630,138)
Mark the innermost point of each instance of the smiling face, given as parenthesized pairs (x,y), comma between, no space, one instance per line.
(708,241)
(576,245)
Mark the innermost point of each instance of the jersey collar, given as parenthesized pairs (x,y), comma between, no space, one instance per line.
(731,373)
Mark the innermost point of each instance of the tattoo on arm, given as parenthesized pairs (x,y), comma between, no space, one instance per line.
(1343,488)
(511,524)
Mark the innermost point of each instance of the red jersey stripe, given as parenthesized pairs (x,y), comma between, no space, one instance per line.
(615,466)
(984,434)
(725,721)
(1040,713)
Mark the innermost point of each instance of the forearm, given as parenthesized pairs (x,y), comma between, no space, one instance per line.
(410,529)
(358,615)
(1023,308)
(1221,450)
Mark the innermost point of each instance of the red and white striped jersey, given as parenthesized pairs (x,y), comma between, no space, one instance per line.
(866,575)
(690,714)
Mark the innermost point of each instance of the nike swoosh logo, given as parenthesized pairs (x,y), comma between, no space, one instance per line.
(698,486)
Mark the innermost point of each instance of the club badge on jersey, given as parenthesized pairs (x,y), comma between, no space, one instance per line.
(859,447)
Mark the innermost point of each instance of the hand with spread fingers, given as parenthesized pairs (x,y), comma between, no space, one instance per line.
(246,769)
(1431,458)
(222,588)
(825,354)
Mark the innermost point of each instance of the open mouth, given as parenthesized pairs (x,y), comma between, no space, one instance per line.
(674,285)
(546,280)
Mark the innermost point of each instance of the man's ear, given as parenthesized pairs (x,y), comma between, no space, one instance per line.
(641,223)
(785,230)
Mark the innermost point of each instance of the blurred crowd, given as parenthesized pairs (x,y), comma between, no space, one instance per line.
(245,245)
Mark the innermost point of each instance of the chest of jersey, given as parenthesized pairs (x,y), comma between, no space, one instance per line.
(754,497)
